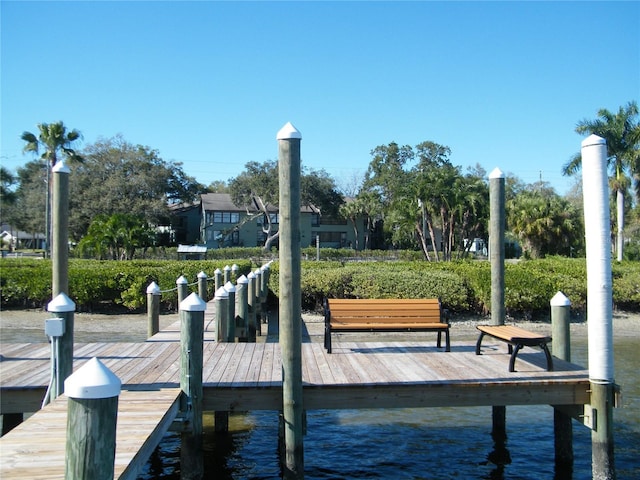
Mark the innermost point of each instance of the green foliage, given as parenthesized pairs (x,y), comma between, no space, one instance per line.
(462,286)
(99,285)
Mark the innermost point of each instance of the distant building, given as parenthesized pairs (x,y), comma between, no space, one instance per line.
(12,239)
(217,222)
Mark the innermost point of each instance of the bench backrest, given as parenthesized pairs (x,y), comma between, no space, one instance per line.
(383,310)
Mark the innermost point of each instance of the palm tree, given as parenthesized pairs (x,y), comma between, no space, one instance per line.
(622,133)
(54,140)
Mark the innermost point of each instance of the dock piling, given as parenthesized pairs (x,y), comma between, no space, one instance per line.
(231,312)
(60,227)
(153,309)
(92,412)
(182,286)
(192,311)
(242,325)
(496,255)
(595,187)
(561,348)
(202,286)
(64,308)
(290,311)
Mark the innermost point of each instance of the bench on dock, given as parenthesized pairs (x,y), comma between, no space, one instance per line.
(515,337)
(385,315)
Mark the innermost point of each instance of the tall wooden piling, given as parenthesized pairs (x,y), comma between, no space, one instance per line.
(60,227)
(290,300)
(595,189)
(496,255)
(153,309)
(92,413)
(561,348)
(64,308)
(192,311)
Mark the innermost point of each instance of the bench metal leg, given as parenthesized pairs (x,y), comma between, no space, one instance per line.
(479,343)
(512,360)
(548,355)
(327,339)
(447,341)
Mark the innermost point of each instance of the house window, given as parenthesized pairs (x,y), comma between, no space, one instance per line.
(315,220)
(327,220)
(274,217)
(222,217)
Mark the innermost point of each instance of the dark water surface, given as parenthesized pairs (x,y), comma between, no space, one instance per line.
(427,443)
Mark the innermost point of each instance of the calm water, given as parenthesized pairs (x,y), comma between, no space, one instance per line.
(428,443)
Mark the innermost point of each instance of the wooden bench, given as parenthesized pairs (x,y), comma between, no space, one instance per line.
(516,337)
(385,315)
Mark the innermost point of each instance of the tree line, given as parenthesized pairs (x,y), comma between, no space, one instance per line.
(411,197)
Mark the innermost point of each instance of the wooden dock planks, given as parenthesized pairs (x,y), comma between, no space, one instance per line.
(36,449)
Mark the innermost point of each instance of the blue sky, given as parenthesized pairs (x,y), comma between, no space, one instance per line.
(210,83)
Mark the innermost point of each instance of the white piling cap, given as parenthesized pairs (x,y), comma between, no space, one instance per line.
(62,303)
(92,380)
(181,280)
(153,288)
(202,275)
(242,280)
(221,293)
(560,300)
(230,287)
(258,271)
(235,268)
(592,140)
(193,303)
(251,275)
(60,167)
(217,271)
(227,268)
(496,173)
(288,132)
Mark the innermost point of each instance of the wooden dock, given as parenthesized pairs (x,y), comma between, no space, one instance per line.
(248,376)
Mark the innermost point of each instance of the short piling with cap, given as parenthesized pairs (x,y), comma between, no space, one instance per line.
(153,309)
(561,348)
(92,413)
(64,308)
(242,306)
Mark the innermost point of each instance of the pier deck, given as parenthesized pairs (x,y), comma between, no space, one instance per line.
(248,376)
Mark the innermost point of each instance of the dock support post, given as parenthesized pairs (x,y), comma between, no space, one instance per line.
(60,224)
(222,335)
(192,311)
(231,312)
(251,309)
(92,412)
(561,348)
(597,228)
(496,255)
(153,309)
(217,276)
(242,325)
(258,300)
(202,286)
(264,291)
(64,308)
(290,312)
(227,274)
(182,286)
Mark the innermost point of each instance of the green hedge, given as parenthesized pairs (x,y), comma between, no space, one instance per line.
(463,287)
(101,285)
